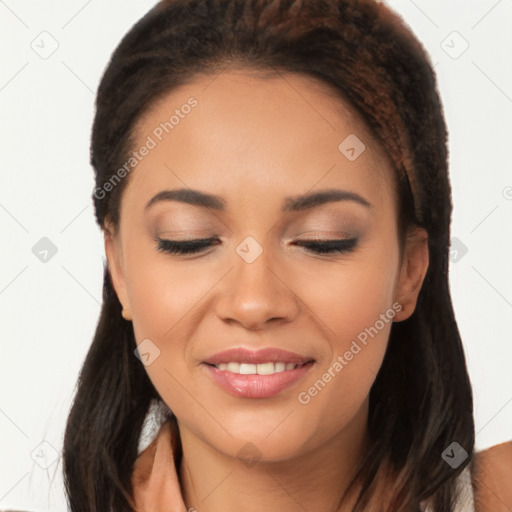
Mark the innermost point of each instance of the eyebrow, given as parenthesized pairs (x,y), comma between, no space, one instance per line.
(290,204)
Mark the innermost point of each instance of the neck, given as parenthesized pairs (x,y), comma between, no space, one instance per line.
(312,480)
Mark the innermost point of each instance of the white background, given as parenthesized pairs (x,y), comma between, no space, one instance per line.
(49,310)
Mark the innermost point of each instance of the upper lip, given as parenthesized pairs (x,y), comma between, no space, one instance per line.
(266,355)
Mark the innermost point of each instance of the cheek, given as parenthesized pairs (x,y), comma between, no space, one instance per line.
(165,301)
(355,305)
(349,297)
(162,295)
(363,297)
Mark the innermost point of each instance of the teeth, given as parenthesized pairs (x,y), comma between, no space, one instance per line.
(265,369)
(233,367)
(247,369)
(259,369)
(280,367)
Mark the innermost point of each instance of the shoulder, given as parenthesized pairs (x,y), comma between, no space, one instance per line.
(492,479)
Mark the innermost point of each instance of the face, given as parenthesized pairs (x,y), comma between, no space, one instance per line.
(317,282)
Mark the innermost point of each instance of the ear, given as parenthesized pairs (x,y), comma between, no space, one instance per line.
(116,267)
(412,272)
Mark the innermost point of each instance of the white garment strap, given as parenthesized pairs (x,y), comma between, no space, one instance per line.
(157,413)
(466,500)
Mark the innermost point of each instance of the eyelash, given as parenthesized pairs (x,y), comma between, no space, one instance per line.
(197,245)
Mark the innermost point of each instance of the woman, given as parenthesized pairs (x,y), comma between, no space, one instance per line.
(272,185)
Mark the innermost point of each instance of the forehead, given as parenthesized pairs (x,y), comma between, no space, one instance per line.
(274,136)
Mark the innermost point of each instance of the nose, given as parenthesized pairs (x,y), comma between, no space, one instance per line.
(254,294)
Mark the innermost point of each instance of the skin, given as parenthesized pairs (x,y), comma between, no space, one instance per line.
(492,477)
(254,141)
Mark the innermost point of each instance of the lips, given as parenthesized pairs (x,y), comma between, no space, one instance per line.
(257,374)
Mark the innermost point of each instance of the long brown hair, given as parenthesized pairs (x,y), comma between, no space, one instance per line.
(421,400)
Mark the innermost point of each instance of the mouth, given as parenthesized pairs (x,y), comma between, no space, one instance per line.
(257,374)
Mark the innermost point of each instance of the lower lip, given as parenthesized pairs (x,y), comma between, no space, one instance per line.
(257,386)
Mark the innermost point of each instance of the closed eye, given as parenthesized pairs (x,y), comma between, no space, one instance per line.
(329,246)
(200,244)
(184,247)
